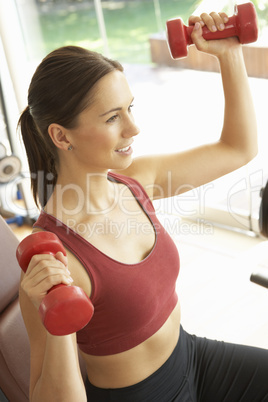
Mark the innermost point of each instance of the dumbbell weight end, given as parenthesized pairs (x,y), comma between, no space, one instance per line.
(65,310)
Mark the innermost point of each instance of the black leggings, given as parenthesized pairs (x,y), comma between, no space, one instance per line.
(198,370)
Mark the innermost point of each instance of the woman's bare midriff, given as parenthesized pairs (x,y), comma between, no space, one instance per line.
(130,367)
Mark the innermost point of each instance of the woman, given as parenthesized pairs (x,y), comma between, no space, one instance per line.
(78,129)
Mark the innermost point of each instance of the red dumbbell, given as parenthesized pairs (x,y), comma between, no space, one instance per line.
(65,309)
(242,24)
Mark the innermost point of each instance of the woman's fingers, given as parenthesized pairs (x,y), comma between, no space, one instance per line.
(44,272)
(193,19)
(48,274)
(61,257)
(214,21)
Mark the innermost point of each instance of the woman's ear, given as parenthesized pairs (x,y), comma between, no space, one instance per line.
(58,135)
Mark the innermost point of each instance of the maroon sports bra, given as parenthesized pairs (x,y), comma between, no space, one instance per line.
(131,301)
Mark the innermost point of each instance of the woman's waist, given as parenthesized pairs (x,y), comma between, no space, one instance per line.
(134,365)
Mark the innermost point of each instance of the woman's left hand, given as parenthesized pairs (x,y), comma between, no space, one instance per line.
(214,22)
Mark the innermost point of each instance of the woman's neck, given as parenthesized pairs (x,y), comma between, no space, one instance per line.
(84,195)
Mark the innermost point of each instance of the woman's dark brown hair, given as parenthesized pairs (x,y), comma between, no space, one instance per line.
(59,91)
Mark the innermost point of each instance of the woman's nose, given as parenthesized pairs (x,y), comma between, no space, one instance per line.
(131,129)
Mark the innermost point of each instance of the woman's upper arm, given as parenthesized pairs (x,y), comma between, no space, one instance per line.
(168,175)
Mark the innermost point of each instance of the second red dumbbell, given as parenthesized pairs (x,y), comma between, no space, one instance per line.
(242,24)
(65,309)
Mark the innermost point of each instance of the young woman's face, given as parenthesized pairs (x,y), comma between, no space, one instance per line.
(102,140)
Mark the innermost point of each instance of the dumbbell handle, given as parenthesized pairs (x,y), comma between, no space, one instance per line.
(231,29)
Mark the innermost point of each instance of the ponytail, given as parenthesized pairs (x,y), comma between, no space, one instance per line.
(41,156)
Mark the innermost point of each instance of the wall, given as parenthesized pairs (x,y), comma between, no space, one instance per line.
(256,58)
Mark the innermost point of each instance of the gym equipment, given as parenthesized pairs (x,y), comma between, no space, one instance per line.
(65,309)
(260,278)
(14,186)
(10,193)
(9,168)
(3,151)
(17,219)
(263,211)
(242,24)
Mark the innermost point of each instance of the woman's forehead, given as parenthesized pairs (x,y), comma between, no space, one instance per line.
(112,88)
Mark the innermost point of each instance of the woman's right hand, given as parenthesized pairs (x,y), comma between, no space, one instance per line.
(213,22)
(45,271)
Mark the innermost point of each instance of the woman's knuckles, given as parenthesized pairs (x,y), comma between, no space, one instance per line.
(40,259)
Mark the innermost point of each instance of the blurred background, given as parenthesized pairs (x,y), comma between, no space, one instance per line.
(133,31)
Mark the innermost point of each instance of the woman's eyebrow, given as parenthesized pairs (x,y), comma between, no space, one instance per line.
(109,111)
(116,109)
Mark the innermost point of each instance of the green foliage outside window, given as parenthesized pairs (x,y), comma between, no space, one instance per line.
(129,24)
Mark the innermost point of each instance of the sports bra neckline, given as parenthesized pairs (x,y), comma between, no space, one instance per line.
(114,177)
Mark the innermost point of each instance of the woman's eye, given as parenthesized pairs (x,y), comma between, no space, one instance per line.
(116,116)
(112,119)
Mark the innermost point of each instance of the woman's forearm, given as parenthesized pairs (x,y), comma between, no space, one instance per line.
(240,127)
(60,379)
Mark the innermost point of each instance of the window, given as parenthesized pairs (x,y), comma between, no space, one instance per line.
(121,29)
